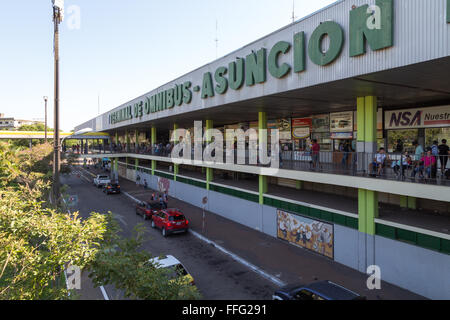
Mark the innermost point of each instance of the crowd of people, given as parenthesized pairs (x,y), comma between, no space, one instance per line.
(423,163)
(159,149)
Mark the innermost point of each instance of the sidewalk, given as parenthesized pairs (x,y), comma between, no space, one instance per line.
(289,263)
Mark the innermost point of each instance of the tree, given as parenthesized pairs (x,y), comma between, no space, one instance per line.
(38,241)
(34,127)
(122,264)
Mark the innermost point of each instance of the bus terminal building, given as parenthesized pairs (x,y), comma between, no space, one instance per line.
(355,77)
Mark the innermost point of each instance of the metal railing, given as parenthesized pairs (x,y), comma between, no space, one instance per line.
(400,167)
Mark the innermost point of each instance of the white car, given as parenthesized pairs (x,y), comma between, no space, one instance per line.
(178,270)
(101,181)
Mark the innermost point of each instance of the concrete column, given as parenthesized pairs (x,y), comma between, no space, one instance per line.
(366,148)
(403,202)
(153,142)
(136,143)
(127,135)
(412,203)
(209,171)
(115,169)
(262,139)
(176,141)
(262,188)
(367,131)
(367,211)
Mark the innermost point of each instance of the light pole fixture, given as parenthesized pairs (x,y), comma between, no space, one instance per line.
(58,15)
(45,123)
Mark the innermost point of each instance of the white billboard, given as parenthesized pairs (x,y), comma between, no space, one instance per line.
(434,117)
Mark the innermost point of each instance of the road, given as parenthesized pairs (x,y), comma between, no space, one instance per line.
(217,276)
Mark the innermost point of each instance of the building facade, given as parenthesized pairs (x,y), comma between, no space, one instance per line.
(357,77)
(13,124)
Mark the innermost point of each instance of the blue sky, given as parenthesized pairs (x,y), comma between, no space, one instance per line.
(122,49)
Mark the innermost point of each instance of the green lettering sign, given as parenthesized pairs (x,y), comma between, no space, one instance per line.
(299,52)
(221,80)
(336,35)
(178,95)
(207,87)
(170,98)
(187,93)
(374,24)
(236,77)
(448,11)
(255,67)
(275,70)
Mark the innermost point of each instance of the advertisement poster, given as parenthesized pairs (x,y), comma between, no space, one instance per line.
(342,135)
(436,117)
(310,234)
(341,122)
(284,125)
(321,123)
(301,128)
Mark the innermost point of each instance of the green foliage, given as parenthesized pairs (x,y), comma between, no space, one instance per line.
(34,127)
(38,241)
(123,265)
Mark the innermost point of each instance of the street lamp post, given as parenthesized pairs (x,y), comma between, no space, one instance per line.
(45,123)
(58,13)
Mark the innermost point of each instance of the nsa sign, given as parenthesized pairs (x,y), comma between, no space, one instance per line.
(418,118)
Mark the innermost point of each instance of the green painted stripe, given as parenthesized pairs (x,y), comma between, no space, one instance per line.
(415,238)
(313,213)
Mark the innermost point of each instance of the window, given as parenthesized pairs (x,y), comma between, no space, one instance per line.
(177,271)
(177,218)
(406,136)
(307,295)
(304,295)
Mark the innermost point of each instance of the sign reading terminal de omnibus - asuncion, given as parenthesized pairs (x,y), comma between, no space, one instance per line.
(368,26)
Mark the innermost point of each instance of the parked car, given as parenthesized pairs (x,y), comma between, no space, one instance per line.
(148,209)
(101,180)
(170,221)
(111,188)
(322,290)
(175,266)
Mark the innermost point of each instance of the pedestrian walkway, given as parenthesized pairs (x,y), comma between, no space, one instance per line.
(289,263)
(421,218)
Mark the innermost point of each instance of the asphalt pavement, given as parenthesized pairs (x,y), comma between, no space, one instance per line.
(217,275)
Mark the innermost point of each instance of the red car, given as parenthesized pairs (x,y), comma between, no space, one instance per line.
(170,221)
(147,210)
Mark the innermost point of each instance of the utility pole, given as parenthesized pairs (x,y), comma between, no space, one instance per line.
(45,123)
(58,12)
(293,11)
(217,39)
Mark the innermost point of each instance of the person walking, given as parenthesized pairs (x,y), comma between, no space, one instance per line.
(315,154)
(399,146)
(444,153)
(345,150)
(166,199)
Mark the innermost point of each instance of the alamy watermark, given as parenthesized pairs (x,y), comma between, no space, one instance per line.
(73,18)
(374,21)
(71,15)
(73,280)
(374,280)
(213,147)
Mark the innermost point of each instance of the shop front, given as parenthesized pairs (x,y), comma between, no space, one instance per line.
(424,125)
